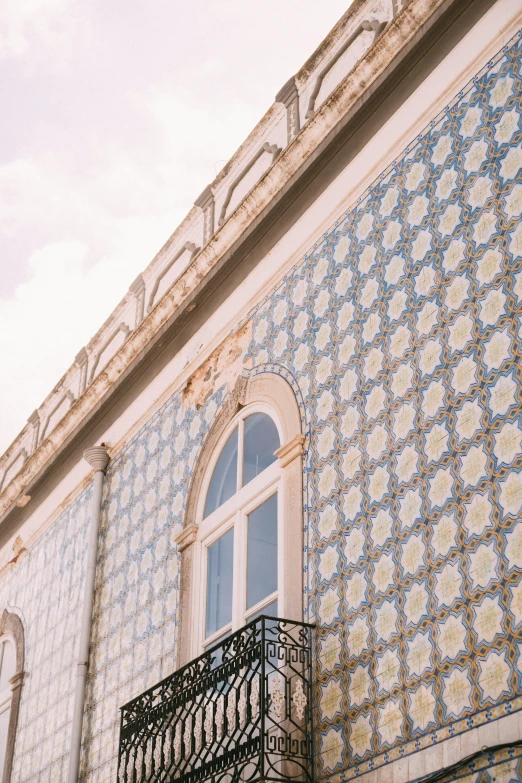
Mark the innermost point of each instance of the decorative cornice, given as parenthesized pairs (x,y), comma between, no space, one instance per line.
(34,419)
(122,328)
(270,149)
(287,92)
(81,358)
(187,246)
(137,286)
(373,25)
(205,198)
(207,205)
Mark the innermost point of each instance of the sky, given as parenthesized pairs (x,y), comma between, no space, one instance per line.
(116,114)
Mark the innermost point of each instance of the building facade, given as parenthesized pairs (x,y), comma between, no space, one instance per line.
(311,404)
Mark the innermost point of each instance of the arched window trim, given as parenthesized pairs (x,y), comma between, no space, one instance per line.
(270,393)
(11,627)
(242,412)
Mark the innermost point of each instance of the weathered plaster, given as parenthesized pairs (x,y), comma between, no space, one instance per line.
(222,367)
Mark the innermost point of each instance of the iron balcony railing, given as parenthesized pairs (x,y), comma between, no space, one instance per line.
(239,713)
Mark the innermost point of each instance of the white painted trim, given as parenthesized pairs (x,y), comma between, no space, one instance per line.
(233,515)
(270,394)
(248,410)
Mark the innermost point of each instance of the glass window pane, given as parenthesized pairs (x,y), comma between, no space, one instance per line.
(219,583)
(8,665)
(4,725)
(262,552)
(270,611)
(218,654)
(224,479)
(261,440)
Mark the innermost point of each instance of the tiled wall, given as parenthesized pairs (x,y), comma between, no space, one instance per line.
(401,331)
(501,766)
(44,589)
(402,328)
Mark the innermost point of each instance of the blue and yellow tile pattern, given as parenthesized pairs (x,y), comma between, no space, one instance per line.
(400,332)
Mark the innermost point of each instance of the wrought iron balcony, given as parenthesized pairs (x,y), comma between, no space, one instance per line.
(239,713)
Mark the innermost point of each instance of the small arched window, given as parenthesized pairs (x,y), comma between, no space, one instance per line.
(7,671)
(11,680)
(242,541)
(239,528)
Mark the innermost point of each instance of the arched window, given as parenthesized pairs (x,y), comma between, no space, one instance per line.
(11,679)
(239,528)
(7,671)
(242,540)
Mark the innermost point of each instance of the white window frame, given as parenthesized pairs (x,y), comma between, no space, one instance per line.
(267,393)
(6,696)
(12,630)
(233,514)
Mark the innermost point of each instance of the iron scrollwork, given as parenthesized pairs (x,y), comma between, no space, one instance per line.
(239,713)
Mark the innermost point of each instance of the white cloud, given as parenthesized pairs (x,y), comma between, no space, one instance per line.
(111,224)
(54,313)
(105,157)
(110,233)
(28,23)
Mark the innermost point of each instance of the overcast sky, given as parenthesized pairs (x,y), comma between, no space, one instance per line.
(115,115)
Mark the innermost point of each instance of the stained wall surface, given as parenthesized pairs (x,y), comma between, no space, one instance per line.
(400,334)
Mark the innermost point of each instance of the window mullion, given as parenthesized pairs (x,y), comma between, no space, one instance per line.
(281,548)
(240,452)
(237,609)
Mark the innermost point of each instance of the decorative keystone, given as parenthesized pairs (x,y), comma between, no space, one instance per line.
(97,457)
